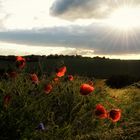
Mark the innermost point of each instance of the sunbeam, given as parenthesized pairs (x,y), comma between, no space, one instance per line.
(125,18)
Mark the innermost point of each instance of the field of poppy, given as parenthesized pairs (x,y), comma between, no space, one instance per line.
(62,106)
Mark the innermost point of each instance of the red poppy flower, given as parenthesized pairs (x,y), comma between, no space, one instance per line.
(115,115)
(61,71)
(56,79)
(13,74)
(70,78)
(34,78)
(7,99)
(100,111)
(48,88)
(20,62)
(85,89)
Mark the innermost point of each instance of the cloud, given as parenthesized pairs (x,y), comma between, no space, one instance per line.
(1,24)
(13,49)
(3,19)
(75,9)
(3,16)
(99,39)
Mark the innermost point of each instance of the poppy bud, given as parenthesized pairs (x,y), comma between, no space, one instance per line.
(85,89)
(20,62)
(48,88)
(70,78)
(34,78)
(7,99)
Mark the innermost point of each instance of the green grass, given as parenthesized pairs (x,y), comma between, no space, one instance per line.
(65,113)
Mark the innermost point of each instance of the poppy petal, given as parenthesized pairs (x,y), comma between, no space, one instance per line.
(48,88)
(100,111)
(61,71)
(85,89)
(115,115)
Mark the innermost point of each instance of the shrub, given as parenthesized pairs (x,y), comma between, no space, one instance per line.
(120,81)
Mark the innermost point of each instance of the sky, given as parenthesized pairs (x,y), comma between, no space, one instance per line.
(109,28)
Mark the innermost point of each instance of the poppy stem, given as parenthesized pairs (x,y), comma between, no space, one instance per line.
(40,67)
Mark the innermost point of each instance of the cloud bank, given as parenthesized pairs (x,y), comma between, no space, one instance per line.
(75,9)
(98,38)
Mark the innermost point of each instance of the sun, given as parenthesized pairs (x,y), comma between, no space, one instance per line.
(125,18)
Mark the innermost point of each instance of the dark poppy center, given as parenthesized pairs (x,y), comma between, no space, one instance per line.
(113,114)
(99,112)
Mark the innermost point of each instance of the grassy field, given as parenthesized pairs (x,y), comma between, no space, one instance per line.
(64,114)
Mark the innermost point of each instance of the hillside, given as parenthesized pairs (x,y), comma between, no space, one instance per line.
(83,66)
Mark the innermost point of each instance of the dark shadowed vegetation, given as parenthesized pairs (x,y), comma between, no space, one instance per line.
(82,66)
(120,81)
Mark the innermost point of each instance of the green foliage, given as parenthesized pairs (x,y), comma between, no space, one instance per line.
(65,113)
